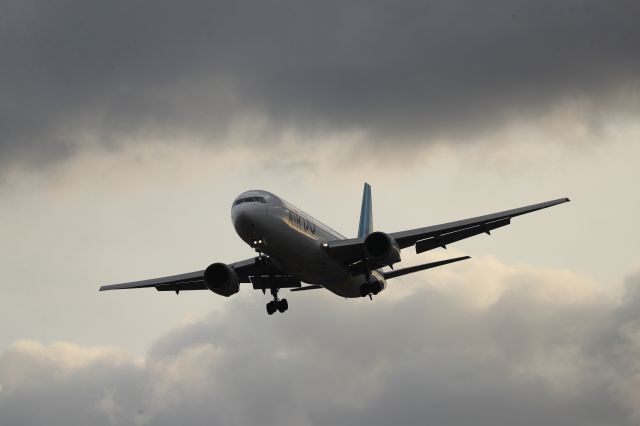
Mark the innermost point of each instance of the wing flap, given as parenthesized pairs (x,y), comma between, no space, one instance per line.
(443,239)
(191,285)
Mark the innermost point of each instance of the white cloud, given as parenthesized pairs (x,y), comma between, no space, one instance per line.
(547,348)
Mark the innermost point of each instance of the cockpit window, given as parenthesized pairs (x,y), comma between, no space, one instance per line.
(250,199)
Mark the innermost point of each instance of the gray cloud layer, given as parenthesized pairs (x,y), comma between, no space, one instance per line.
(76,71)
(529,358)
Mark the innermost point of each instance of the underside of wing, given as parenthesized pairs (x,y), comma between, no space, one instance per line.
(411,237)
(188,281)
(248,271)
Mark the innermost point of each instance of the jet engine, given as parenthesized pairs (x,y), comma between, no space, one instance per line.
(382,248)
(221,279)
(374,285)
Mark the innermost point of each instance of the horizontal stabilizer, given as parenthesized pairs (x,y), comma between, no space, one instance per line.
(412,269)
(307,287)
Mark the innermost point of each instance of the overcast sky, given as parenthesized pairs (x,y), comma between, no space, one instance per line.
(128,128)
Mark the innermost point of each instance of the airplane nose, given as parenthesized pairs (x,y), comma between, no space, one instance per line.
(242,222)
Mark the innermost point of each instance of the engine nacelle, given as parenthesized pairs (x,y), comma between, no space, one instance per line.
(221,279)
(382,248)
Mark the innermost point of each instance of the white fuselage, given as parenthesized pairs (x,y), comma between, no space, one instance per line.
(294,241)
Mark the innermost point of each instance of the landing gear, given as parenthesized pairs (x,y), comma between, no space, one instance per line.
(280,305)
(283,305)
(262,260)
(365,289)
(277,305)
(258,246)
(370,288)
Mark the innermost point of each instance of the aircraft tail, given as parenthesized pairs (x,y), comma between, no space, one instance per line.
(366,217)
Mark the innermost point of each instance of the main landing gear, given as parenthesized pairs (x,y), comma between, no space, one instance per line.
(280,305)
(370,288)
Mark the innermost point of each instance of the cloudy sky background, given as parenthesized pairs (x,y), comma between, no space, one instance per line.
(127,128)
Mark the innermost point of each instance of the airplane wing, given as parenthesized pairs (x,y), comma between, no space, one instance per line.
(189,281)
(246,270)
(430,237)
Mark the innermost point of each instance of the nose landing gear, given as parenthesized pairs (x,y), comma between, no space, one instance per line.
(280,305)
(258,245)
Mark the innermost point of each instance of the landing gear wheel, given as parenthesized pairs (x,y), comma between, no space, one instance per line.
(276,304)
(365,289)
(283,305)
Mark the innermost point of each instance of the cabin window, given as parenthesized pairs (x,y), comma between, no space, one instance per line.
(250,199)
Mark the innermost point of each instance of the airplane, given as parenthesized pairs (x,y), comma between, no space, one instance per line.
(295,248)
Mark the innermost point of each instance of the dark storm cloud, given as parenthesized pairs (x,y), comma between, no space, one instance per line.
(74,71)
(526,359)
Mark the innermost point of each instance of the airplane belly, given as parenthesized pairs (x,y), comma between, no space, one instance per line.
(299,254)
(349,288)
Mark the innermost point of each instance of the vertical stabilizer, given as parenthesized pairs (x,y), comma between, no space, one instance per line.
(366,217)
